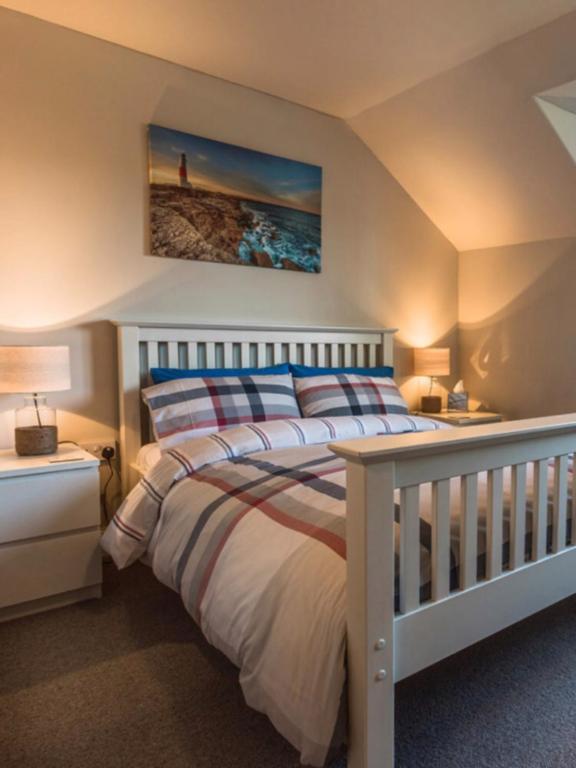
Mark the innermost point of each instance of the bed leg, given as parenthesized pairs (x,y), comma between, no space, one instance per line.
(370,614)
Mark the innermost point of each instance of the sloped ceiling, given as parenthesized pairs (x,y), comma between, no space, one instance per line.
(337,56)
(474,148)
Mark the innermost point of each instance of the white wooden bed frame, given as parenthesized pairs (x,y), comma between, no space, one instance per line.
(384,646)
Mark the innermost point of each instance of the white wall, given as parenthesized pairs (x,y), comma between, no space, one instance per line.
(74,219)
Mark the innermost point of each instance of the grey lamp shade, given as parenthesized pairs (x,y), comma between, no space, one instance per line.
(432,361)
(27,370)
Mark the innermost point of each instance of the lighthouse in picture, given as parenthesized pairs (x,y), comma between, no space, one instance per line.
(183,172)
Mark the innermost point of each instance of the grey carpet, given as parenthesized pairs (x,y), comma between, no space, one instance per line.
(128,681)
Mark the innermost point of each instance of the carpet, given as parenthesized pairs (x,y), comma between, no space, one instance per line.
(128,681)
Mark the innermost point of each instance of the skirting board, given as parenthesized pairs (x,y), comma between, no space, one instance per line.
(50,602)
(440,629)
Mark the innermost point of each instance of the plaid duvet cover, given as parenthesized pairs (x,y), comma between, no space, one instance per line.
(248,525)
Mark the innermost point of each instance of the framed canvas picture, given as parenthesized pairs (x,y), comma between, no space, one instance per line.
(211,201)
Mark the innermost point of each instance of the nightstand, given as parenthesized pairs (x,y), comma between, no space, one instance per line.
(464,418)
(49,531)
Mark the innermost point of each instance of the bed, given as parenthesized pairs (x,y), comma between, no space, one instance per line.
(442,537)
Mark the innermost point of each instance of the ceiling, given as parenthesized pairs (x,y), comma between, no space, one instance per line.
(337,56)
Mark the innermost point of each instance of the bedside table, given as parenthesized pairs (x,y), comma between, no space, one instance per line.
(49,531)
(464,418)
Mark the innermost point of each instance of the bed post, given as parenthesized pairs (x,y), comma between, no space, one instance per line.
(129,384)
(370,614)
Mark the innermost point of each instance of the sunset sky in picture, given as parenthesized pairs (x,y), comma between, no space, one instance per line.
(245,173)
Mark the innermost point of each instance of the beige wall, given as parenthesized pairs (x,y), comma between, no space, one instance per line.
(473,148)
(517,327)
(73,201)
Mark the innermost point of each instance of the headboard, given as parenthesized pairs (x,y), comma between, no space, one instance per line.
(142,346)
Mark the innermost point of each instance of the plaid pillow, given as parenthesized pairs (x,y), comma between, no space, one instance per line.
(185,408)
(346,394)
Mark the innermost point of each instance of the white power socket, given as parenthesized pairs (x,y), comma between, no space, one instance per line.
(96,448)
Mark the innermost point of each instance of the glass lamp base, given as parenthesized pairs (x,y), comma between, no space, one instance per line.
(36,441)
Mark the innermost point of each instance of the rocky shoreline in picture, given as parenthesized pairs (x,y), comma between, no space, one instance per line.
(220,203)
(194,224)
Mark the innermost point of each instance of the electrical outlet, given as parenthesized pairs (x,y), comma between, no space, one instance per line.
(97,448)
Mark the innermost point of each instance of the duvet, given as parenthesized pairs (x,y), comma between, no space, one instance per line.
(248,525)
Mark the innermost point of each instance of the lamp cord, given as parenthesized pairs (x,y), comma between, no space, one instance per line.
(35,398)
(433,381)
(104,494)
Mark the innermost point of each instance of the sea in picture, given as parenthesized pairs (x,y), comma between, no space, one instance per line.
(282,234)
(211,201)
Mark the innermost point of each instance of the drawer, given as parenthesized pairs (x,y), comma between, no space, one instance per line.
(36,569)
(43,504)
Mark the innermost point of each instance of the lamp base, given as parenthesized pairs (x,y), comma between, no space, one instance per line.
(36,441)
(431,404)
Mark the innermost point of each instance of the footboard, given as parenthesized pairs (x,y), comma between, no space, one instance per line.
(526,524)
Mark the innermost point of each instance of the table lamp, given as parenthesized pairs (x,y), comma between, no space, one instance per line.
(30,371)
(432,362)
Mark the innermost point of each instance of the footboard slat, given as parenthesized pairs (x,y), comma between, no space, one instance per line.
(409,549)
(440,539)
(494,523)
(469,531)
(560,502)
(518,516)
(540,515)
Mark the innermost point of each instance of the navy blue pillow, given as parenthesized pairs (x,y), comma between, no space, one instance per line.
(301,371)
(160,375)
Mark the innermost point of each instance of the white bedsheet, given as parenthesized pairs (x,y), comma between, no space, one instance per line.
(148,456)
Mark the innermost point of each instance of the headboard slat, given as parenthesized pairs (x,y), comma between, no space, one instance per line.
(173,354)
(153,356)
(210,355)
(192,354)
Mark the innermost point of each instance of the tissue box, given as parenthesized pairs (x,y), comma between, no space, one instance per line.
(457,401)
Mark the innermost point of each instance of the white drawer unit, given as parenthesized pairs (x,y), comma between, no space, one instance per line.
(49,531)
